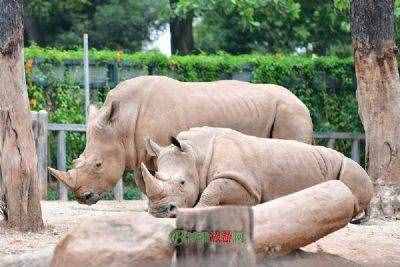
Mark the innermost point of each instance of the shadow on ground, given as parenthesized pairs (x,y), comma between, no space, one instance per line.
(301,258)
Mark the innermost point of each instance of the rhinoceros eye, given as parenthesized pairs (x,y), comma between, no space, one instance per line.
(98,165)
(182,182)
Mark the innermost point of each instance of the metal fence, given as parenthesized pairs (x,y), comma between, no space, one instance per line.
(41,129)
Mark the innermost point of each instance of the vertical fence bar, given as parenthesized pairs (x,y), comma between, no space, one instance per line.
(61,163)
(41,148)
(86,73)
(331,143)
(112,73)
(119,191)
(355,150)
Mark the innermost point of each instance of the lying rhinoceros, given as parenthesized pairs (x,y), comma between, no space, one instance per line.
(160,107)
(213,166)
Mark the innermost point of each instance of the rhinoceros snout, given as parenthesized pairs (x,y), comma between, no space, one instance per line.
(164,211)
(172,209)
(88,198)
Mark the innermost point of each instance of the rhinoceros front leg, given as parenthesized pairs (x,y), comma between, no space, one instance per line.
(225,191)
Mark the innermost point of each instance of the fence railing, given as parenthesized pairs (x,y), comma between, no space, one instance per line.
(41,129)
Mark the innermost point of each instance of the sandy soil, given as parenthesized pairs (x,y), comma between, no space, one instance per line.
(374,244)
(59,218)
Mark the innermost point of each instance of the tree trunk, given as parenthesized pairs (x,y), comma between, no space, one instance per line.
(378,94)
(18,162)
(181,29)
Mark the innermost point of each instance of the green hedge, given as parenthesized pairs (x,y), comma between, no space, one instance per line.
(325,84)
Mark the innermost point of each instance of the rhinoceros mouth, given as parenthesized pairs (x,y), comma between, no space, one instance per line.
(167,211)
(163,214)
(89,198)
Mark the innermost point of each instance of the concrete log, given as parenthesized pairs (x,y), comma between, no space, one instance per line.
(214,236)
(140,240)
(288,223)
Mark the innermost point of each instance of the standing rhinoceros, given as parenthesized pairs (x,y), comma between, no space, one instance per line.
(213,166)
(159,107)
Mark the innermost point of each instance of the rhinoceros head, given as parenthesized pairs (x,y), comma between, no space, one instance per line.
(102,163)
(174,185)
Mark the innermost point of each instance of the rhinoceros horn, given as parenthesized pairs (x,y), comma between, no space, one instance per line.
(64,177)
(152,184)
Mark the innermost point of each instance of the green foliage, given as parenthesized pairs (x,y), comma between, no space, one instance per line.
(233,26)
(125,24)
(132,192)
(53,55)
(68,102)
(245,10)
(275,26)
(117,24)
(325,85)
(52,194)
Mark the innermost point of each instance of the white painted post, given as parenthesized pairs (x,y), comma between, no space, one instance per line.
(119,191)
(42,118)
(355,150)
(86,73)
(61,163)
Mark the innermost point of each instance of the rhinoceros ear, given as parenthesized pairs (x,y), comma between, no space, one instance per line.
(175,142)
(108,115)
(181,145)
(153,149)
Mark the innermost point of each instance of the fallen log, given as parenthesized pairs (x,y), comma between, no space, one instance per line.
(280,226)
(291,222)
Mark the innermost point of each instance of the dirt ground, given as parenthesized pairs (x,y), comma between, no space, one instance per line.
(374,244)
(59,218)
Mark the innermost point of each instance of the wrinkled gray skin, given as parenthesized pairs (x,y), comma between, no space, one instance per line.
(214,166)
(158,108)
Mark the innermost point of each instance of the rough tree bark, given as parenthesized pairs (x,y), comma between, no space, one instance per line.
(18,162)
(181,29)
(378,94)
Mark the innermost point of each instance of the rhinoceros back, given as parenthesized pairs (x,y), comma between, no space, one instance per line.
(270,168)
(172,106)
(166,107)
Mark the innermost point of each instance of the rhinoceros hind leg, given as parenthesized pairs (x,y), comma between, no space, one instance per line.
(293,125)
(355,177)
(363,218)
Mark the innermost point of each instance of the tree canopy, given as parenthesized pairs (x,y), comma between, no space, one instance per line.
(117,24)
(233,26)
